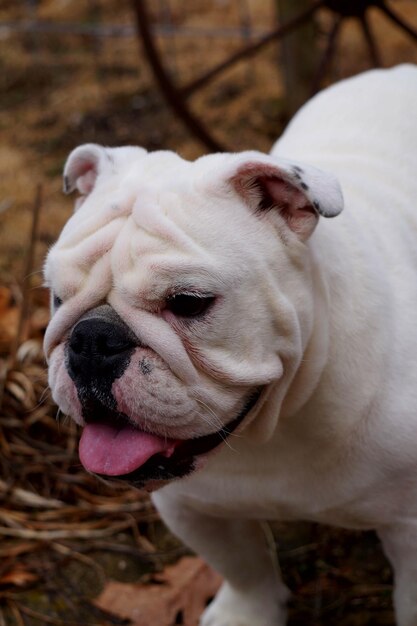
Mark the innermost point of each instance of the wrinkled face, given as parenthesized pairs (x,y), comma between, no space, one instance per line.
(172,306)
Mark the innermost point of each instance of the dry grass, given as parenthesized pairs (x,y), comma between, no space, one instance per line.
(51,511)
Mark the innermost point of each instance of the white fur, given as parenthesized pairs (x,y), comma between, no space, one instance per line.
(327,325)
(348,455)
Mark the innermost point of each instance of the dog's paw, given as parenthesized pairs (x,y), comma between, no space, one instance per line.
(231,608)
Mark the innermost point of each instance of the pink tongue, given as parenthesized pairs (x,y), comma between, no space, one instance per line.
(116,451)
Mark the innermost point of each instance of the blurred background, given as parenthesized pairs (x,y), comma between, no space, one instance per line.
(193,77)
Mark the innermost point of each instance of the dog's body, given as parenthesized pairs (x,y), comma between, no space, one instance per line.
(314,360)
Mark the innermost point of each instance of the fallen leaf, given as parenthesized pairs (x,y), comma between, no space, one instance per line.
(5,299)
(179,595)
(9,319)
(39,320)
(18,576)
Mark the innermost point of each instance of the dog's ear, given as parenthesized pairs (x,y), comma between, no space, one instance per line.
(301,193)
(83,166)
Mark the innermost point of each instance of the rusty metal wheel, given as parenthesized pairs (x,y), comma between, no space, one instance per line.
(178,96)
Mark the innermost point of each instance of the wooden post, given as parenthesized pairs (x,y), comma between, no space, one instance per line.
(299,55)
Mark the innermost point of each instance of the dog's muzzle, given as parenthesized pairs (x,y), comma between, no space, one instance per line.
(98,352)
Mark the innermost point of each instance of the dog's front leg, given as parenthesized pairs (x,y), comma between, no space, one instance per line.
(253,593)
(400,546)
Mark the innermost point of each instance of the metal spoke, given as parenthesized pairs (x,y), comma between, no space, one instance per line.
(176,95)
(398,20)
(171,94)
(370,40)
(251,49)
(327,54)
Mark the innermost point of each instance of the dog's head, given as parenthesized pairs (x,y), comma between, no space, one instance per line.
(179,296)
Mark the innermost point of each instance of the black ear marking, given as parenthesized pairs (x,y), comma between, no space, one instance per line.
(145,366)
(66,185)
(295,170)
(82,167)
(57,301)
(299,194)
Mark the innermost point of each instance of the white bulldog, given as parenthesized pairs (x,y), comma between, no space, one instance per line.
(207,326)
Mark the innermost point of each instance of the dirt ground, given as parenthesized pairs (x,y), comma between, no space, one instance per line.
(59,90)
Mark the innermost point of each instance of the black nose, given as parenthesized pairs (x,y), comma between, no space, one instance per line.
(98,350)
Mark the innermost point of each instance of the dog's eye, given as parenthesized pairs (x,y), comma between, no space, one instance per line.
(56,301)
(189,305)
